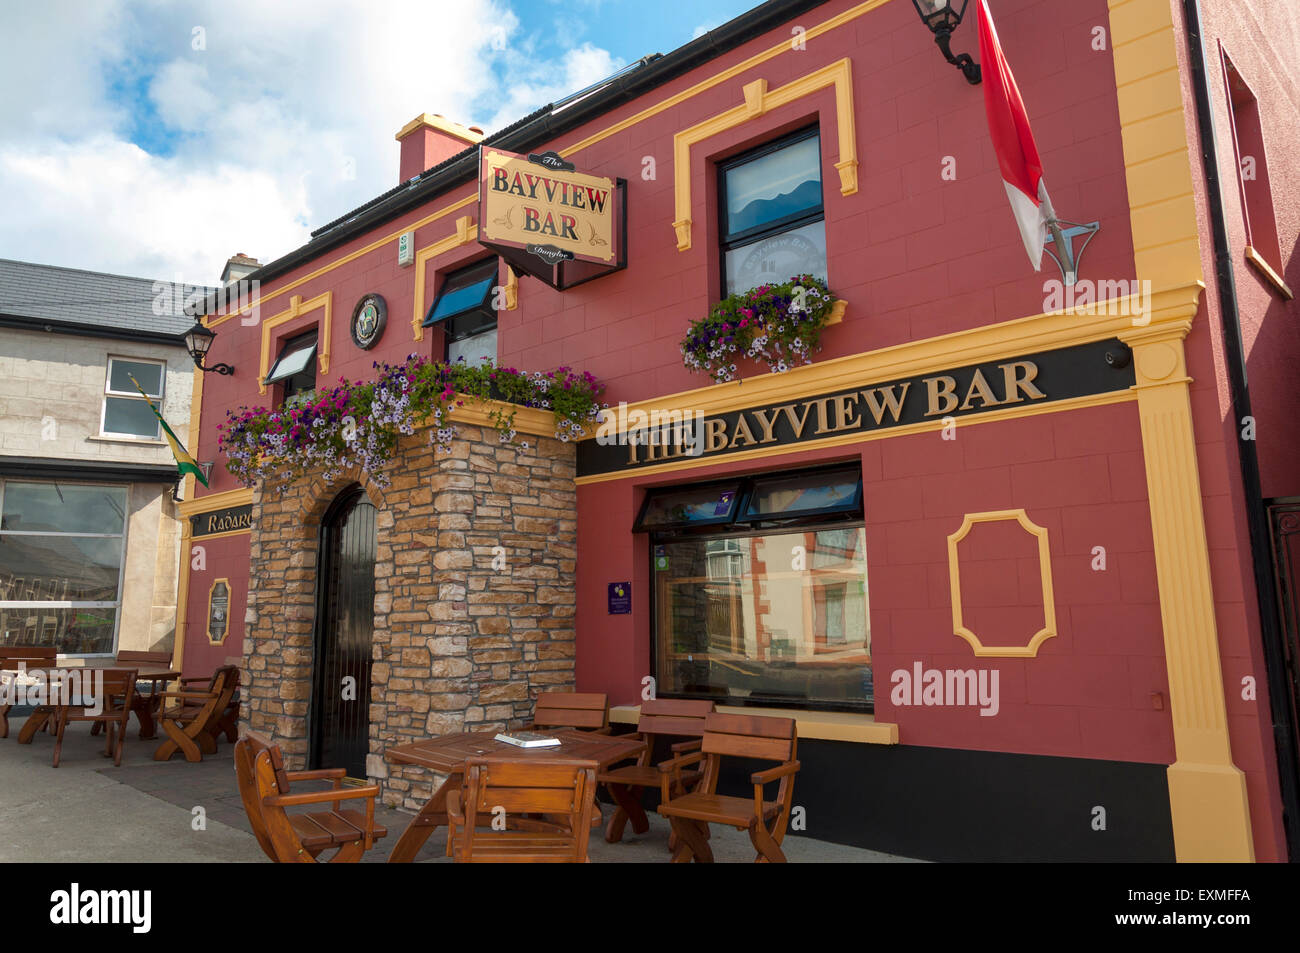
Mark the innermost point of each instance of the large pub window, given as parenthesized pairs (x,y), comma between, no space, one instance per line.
(295,369)
(464,309)
(61,554)
(760,590)
(772,221)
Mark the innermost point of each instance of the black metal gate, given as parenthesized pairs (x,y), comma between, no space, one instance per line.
(345,616)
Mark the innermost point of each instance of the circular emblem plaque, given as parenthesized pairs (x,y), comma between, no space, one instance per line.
(368,320)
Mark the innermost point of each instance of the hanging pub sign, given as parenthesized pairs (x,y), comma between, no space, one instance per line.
(547,219)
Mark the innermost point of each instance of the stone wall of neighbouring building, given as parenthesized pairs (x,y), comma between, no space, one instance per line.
(474,596)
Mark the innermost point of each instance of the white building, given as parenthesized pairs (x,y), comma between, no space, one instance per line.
(89,538)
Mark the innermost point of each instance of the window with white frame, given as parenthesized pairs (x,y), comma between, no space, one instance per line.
(62,547)
(125,412)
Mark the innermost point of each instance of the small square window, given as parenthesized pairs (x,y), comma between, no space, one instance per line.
(295,368)
(464,310)
(125,413)
(772,220)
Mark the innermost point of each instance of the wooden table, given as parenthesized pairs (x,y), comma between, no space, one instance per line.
(447,754)
(144,673)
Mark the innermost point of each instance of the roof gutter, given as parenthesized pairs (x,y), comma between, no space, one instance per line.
(622,89)
(1284,737)
(89,330)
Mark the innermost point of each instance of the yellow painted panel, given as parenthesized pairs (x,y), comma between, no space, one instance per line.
(1169,262)
(1157,136)
(1150,96)
(1168,177)
(1144,56)
(1166,221)
(1135,18)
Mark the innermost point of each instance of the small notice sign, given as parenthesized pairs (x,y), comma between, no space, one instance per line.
(620,598)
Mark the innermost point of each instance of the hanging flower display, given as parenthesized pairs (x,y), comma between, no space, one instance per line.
(777,325)
(357,424)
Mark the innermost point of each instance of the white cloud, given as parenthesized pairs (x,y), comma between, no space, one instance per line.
(148,157)
(702,29)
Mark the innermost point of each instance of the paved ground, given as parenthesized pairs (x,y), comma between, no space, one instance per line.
(89,810)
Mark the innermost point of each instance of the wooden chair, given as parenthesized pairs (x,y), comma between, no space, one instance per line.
(114,712)
(588,711)
(738,736)
(144,704)
(227,721)
(31,656)
(561,790)
(191,718)
(265,789)
(659,718)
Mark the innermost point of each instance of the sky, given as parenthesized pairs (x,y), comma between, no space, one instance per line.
(156,139)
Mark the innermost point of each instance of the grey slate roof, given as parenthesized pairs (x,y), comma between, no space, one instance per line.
(89,299)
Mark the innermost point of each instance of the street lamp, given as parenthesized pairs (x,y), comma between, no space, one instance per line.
(198,340)
(942,17)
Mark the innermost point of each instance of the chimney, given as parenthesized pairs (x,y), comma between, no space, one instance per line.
(429,139)
(239,266)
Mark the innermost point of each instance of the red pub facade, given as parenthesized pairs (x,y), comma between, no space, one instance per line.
(1010,551)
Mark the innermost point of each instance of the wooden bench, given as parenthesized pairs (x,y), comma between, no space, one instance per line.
(227,722)
(191,719)
(30,656)
(563,791)
(114,711)
(265,787)
(690,813)
(588,711)
(659,718)
(144,704)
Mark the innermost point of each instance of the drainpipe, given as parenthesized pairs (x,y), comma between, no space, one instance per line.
(1257,519)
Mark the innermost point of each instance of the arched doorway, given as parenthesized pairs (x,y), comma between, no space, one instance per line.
(345,616)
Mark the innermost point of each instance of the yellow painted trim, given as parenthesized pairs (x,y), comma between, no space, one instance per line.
(852,439)
(478,413)
(216,501)
(1041,332)
(1207,792)
(758,101)
(835,22)
(466,232)
(859,728)
(1045,568)
(512,289)
(182,599)
(196,410)
(297,308)
(1265,269)
(206,629)
(463,133)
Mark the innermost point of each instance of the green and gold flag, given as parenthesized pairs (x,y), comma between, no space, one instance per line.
(184,462)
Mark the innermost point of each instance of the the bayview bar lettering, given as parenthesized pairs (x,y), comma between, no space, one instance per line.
(646,439)
(222,521)
(863,410)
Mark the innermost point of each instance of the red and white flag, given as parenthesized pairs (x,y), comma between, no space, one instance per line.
(1022,169)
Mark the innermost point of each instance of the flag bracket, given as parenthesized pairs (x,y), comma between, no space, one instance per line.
(1060,245)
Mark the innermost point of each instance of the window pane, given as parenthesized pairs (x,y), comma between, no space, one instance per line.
(710,504)
(475,349)
(778,258)
(63,508)
(74,631)
(734,621)
(293,362)
(454,301)
(774,186)
(125,416)
(120,373)
(786,496)
(60,568)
